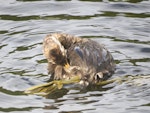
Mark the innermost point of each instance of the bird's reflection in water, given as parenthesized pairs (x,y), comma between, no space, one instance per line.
(57,93)
(79,90)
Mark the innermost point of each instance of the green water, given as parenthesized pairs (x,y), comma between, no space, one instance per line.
(122,26)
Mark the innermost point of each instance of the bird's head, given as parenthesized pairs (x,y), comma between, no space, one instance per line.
(53,50)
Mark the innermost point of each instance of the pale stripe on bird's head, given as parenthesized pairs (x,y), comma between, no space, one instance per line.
(62,49)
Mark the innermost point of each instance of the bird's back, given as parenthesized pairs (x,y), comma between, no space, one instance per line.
(92,57)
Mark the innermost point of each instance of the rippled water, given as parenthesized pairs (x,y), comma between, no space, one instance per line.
(122,25)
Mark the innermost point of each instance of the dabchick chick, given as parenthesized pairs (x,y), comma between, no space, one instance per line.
(69,56)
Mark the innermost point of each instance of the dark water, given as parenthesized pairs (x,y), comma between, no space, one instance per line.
(122,25)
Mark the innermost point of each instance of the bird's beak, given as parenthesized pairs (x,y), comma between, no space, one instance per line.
(67,66)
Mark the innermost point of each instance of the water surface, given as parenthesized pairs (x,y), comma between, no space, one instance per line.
(123,26)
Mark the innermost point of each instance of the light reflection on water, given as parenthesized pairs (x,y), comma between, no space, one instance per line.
(123,26)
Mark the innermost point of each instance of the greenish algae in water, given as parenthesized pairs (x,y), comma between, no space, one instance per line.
(47,88)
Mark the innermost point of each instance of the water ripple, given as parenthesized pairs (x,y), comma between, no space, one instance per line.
(122,26)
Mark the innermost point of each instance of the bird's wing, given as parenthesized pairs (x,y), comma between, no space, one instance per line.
(90,55)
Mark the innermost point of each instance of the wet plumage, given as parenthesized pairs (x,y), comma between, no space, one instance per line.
(74,56)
